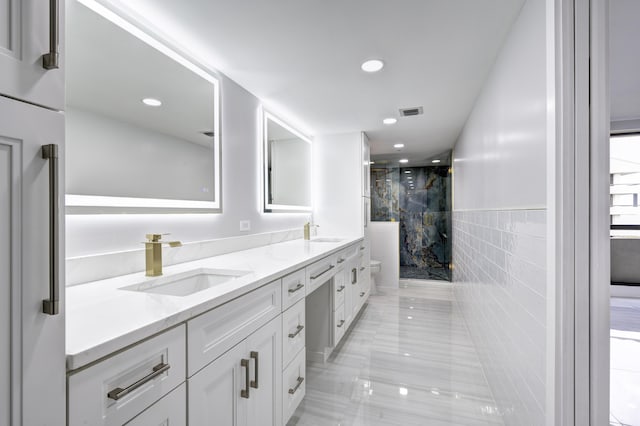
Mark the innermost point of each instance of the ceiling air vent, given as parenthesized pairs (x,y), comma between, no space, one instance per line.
(408,112)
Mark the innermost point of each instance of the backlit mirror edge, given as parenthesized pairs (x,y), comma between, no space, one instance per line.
(92,204)
(278,208)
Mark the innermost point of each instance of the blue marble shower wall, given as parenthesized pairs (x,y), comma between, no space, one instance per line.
(420,199)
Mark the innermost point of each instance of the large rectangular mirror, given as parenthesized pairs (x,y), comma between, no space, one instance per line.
(141,120)
(287,167)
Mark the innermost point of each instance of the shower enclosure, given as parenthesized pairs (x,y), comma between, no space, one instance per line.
(420,199)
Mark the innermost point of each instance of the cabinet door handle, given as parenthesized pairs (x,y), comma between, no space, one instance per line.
(341,260)
(313,277)
(245,392)
(340,289)
(362,294)
(361,247)
(354,276)
(118,393)
(51,305)
(298,287)
(361,268)
(341,324)
(254,356)
(295,388)
(50,60)
(298,330)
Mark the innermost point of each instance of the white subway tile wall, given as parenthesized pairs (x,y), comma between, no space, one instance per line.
(499,276)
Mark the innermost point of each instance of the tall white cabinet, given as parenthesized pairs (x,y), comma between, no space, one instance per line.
(32,353)
(342,200)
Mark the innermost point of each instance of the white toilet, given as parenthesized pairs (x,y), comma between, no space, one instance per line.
(376,267)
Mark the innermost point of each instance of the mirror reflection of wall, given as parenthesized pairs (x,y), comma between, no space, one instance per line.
(287,167)
(140,124)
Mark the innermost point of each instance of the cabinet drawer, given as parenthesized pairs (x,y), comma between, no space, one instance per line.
(342,257)
(319,272)
(339,289)
(293,386)
(339,324)
(293,288)
(170,410)
(353,250)
(293,332)
(117,389)
(213,333)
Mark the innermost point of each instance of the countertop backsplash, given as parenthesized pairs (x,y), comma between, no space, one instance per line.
(86,269)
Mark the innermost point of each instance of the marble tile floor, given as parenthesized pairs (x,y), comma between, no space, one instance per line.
(408,360)
(625,362)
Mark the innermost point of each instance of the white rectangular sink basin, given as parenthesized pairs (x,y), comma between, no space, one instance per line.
(187,283)
(326,240)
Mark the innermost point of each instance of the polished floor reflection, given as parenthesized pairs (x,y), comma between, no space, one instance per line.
(625,362)
(408,360)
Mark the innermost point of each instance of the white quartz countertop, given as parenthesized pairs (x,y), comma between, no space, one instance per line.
(101,318)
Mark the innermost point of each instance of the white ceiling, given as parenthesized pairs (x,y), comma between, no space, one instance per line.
(302,59)
(625,59)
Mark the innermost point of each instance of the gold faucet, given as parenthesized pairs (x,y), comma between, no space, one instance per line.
(153,253)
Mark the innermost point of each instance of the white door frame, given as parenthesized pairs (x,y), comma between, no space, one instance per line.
(600,245)
(578,231)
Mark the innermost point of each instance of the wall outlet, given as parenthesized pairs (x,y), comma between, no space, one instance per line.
(245,225)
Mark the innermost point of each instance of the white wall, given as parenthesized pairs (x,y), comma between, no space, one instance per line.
(499,221)
(241,193)
(337,181)
(385,247)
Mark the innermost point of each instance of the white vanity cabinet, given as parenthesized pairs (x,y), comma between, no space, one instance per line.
(242,363)
(119,388)
(243,386)
(169,411)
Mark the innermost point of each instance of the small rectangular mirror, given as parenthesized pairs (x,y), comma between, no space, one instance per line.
(287,167)
(141,120)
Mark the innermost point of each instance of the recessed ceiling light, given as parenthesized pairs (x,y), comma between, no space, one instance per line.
(398,145)
(390,120)
(407,171)
(372,65)
(436,161)
(152,102)
(403,391)
(404,160)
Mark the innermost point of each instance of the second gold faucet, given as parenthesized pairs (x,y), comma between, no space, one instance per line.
(153,253)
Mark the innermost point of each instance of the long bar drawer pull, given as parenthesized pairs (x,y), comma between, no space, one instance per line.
(298,287)
(50,59)
(298,330)
(118,393)
(254,383)
(340,289)
(51,305)
(297,386)
(341,323)
(361,247)
(361,268)
(313,277)
(245,392)
(341,260)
